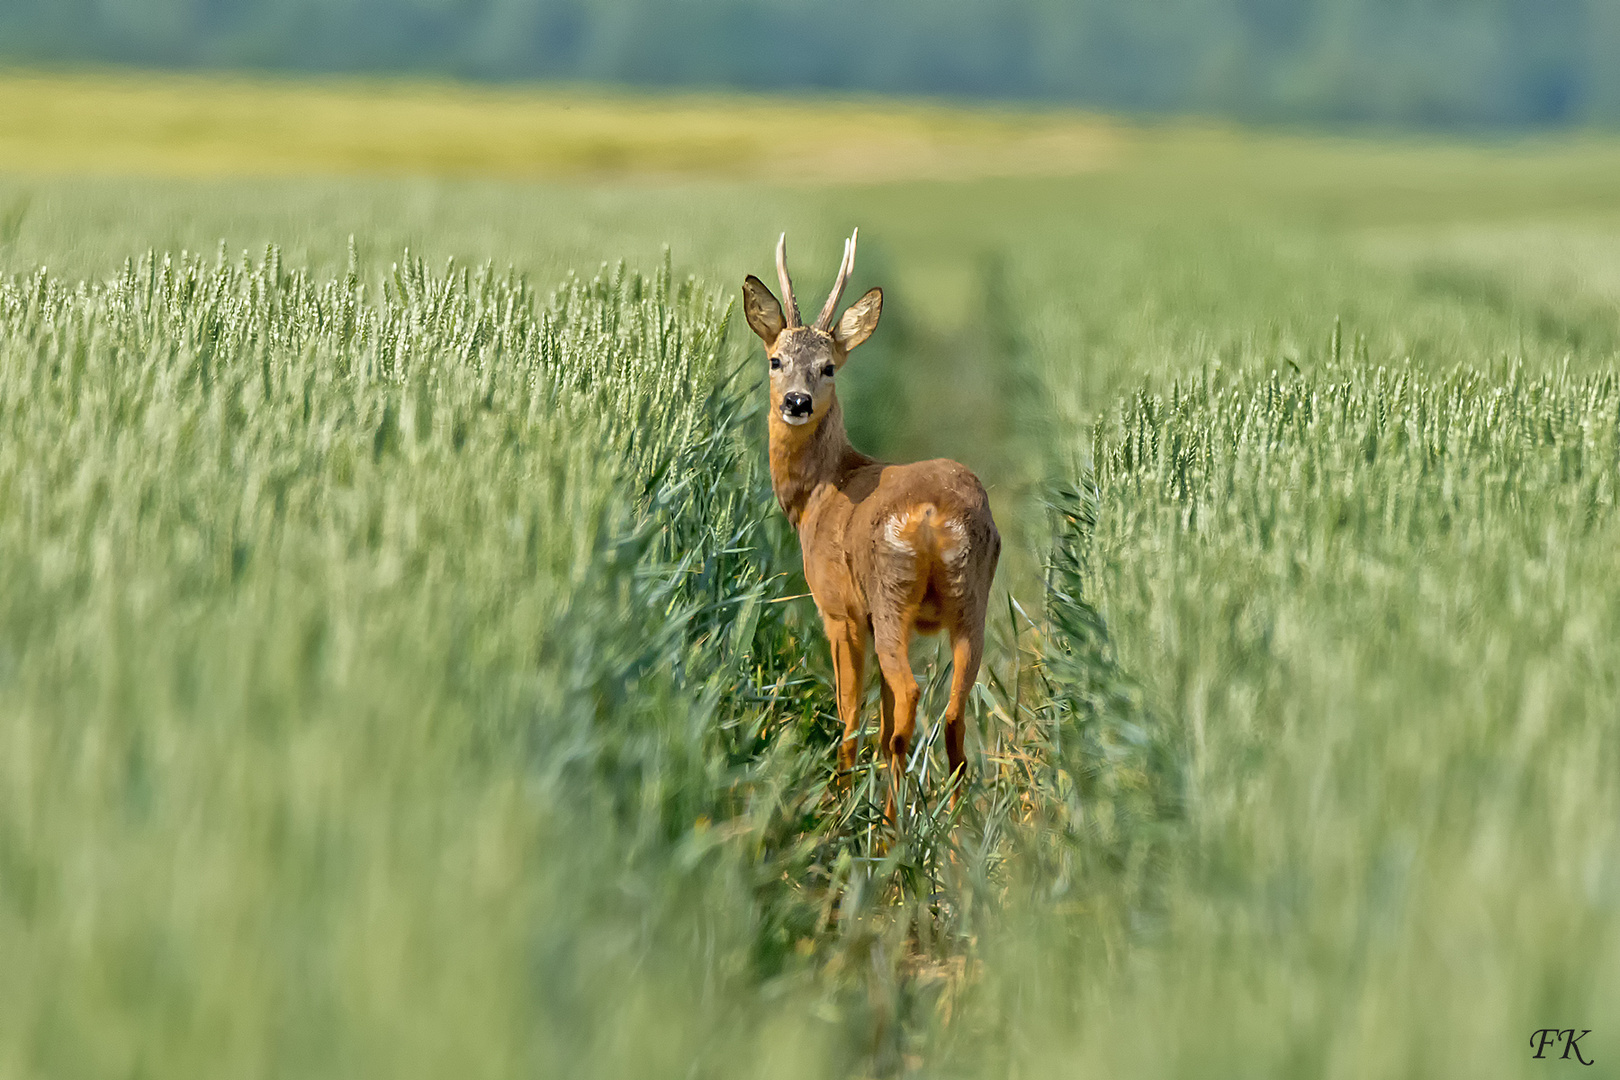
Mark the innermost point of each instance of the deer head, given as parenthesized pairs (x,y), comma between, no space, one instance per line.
(805,359)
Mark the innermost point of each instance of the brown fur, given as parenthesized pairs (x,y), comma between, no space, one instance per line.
(890,551)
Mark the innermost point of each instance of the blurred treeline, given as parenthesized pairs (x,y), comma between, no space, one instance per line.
(1424,63)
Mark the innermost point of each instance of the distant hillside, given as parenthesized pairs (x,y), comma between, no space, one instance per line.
(1423,63)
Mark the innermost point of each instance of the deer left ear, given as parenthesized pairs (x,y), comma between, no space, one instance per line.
(859,321)
(761,309)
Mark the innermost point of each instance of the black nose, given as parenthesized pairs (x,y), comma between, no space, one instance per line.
(796,403)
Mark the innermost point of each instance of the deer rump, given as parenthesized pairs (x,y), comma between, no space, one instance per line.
(928,540)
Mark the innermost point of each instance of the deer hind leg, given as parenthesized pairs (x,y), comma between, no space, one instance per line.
(886,727)
(967,648)
(893,639)
(849,670)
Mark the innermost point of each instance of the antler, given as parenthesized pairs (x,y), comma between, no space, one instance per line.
(788,302)
(845,268)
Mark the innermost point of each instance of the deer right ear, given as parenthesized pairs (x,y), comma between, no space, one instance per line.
(859,321)
(761,309)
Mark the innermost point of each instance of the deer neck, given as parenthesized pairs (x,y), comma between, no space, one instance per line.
(807,457)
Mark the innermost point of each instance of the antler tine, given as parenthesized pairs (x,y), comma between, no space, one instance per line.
(845,268)
(788,301)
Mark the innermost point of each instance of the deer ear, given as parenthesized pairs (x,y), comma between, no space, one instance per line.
(859,321)
(762,311)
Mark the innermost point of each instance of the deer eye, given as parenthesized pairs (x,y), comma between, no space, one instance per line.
(829,371)
(776,363)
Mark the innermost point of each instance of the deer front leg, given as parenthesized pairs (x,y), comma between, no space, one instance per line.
(849,669)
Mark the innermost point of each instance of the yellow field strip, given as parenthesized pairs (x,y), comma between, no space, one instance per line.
(206,125)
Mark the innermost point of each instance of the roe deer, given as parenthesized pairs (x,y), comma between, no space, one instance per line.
(889,550)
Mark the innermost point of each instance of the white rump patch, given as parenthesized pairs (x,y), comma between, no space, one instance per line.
(955,552)
(891,534)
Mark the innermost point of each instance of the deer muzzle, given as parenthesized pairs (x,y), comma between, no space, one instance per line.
(797,406)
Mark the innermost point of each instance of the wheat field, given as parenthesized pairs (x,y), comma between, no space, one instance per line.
(405,670)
